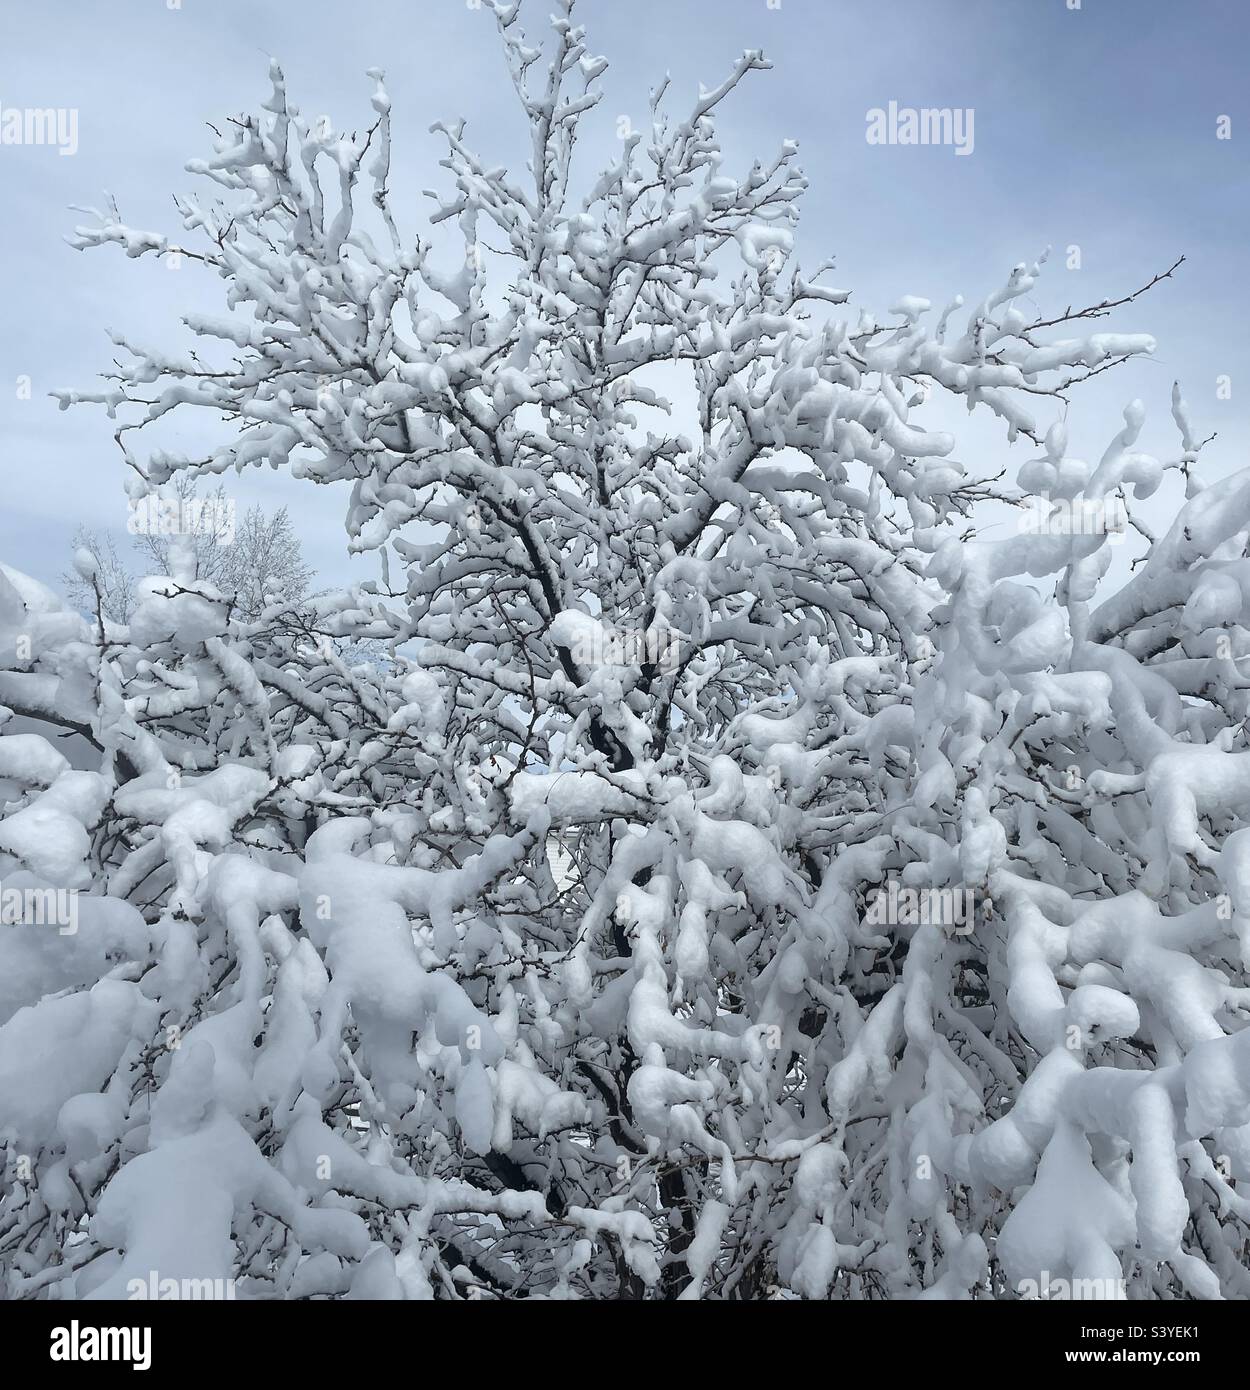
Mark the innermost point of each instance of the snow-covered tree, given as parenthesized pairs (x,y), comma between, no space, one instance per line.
(598,944)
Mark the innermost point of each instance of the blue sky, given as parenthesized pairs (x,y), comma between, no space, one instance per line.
(1094,127)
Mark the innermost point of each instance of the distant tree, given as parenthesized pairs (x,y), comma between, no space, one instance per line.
(111,585)
(265,563)
(253,561)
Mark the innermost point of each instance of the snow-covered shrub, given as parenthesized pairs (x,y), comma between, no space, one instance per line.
(738,884)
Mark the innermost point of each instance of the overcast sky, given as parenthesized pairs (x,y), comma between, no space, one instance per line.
(1094,127)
